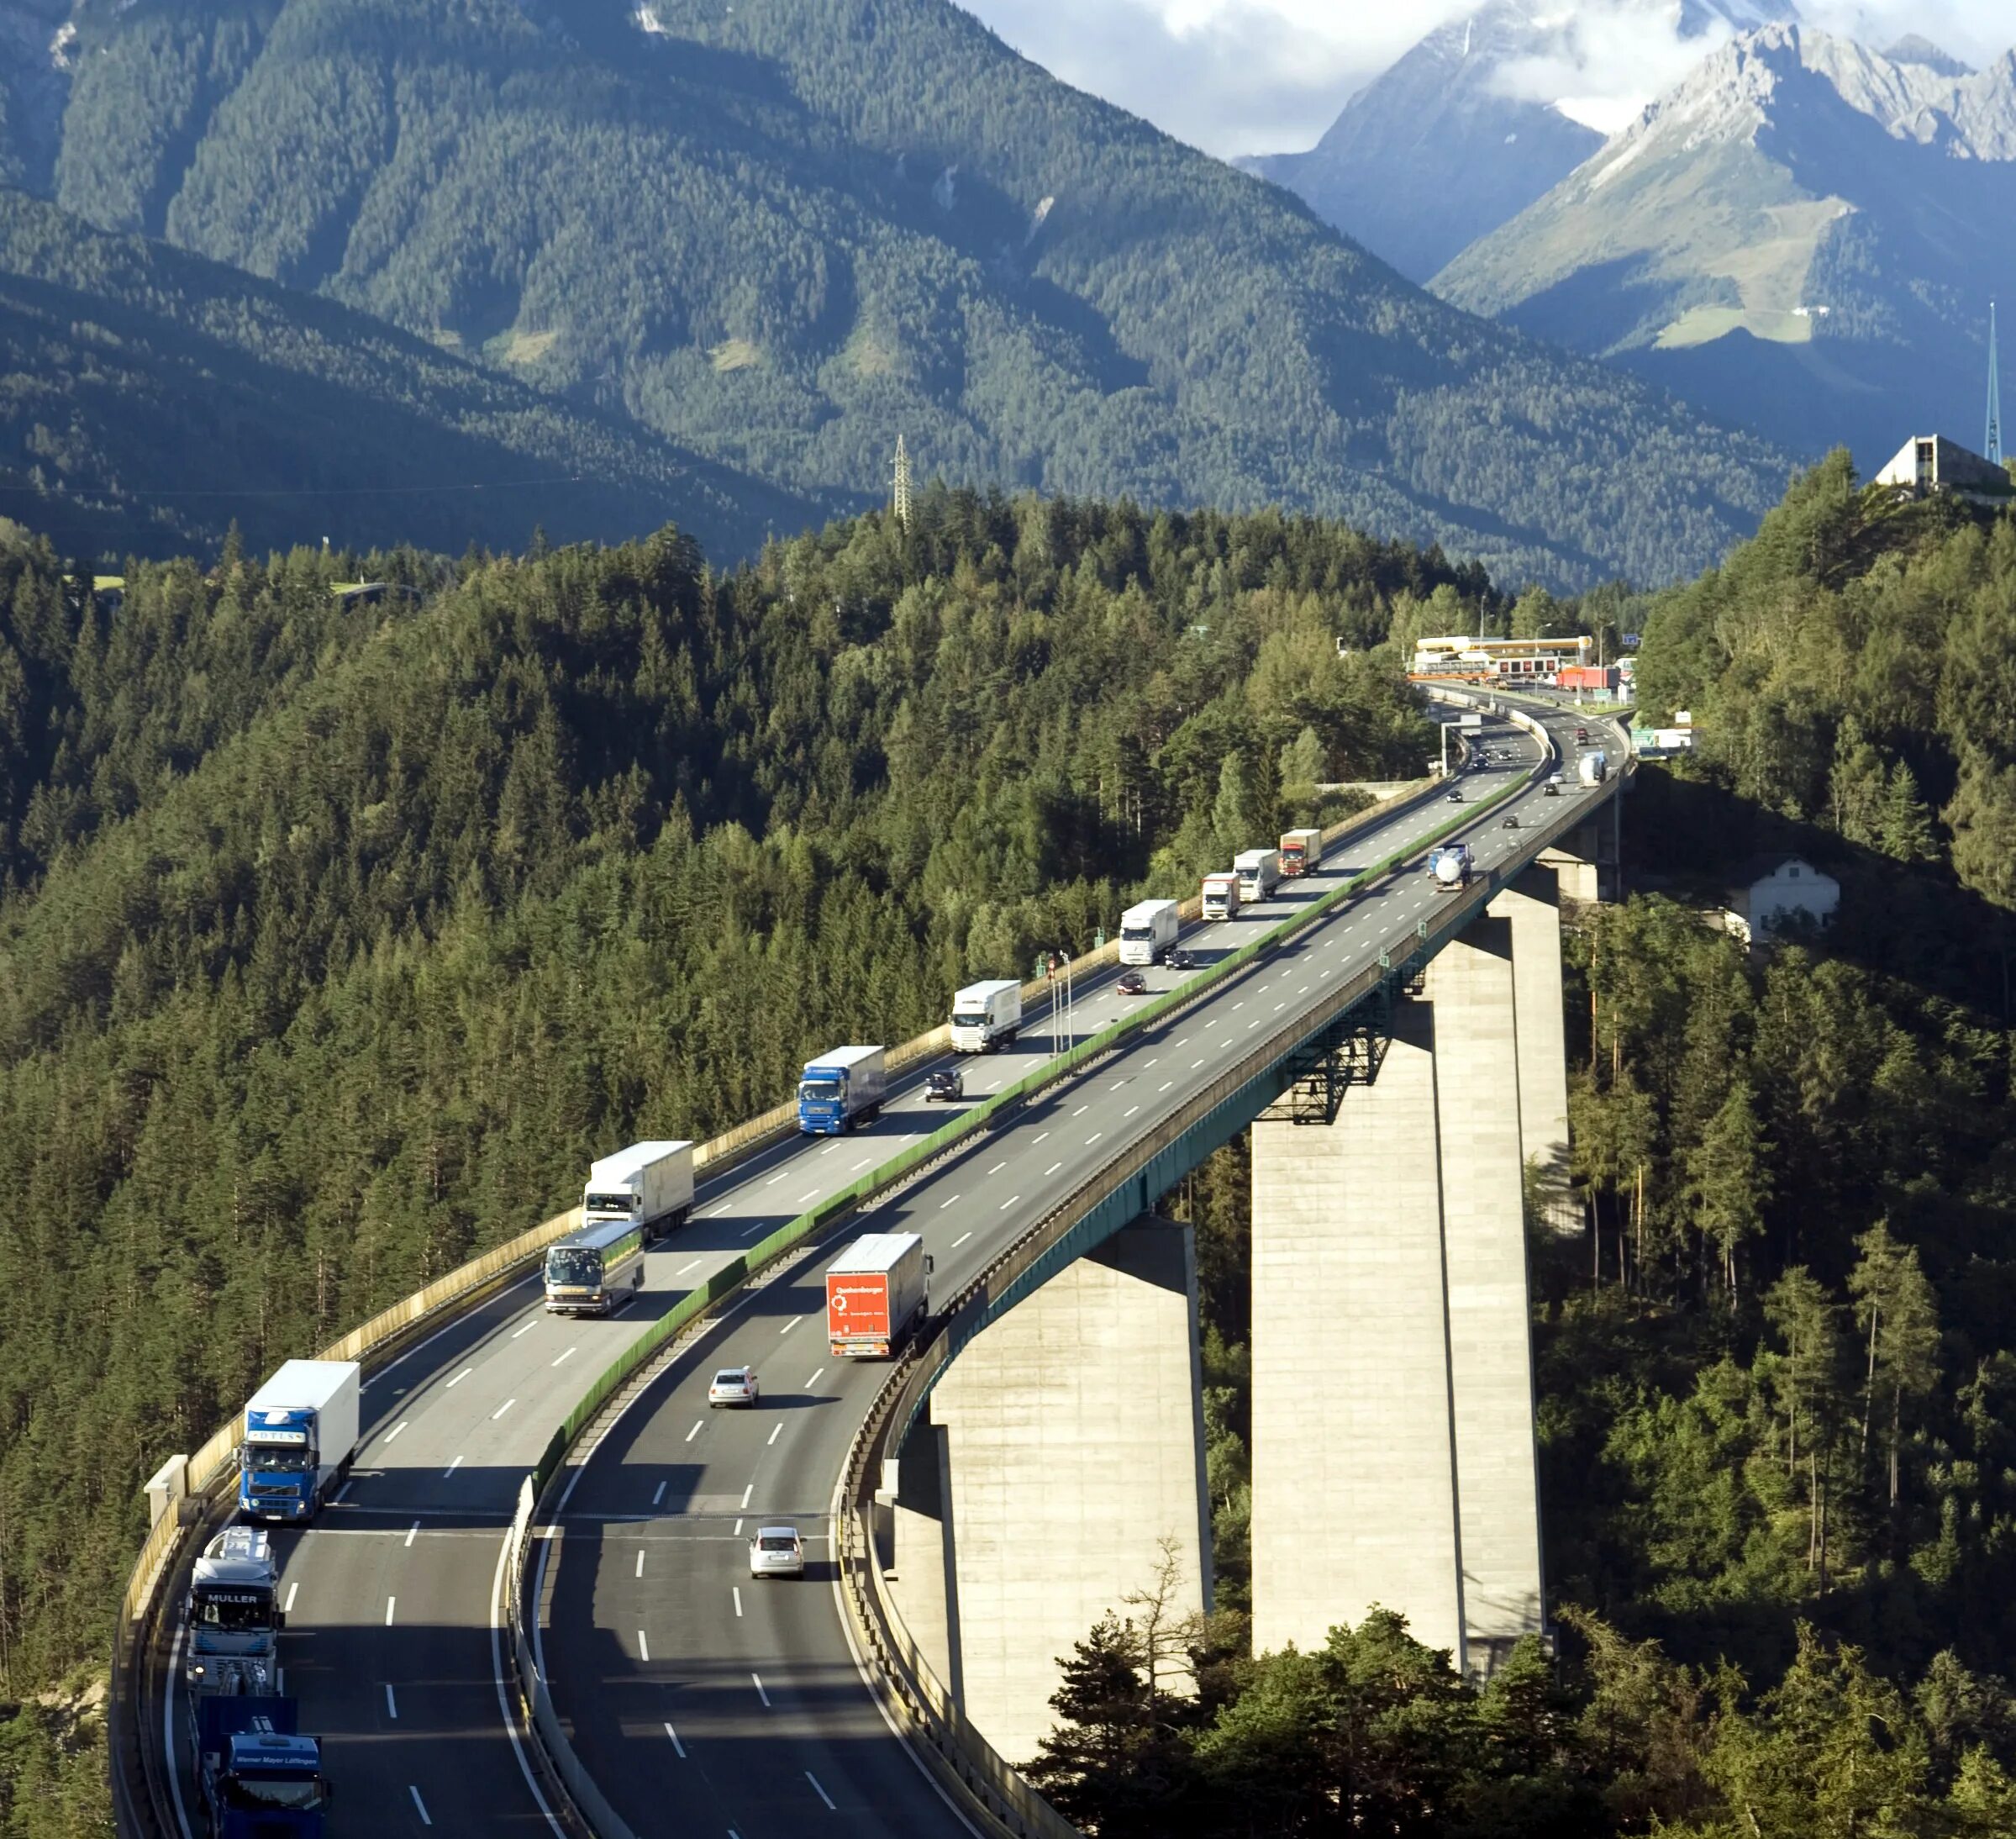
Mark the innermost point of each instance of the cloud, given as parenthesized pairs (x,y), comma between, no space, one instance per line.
(1260,75)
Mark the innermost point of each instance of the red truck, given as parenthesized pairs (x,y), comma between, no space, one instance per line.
(877,1291)
(1587,676)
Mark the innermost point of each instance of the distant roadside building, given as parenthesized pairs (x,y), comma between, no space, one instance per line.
(1458,657)
(1765,890)
(1928,465)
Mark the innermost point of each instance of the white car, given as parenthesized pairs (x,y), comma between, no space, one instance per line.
(777,1552)
(734,1385)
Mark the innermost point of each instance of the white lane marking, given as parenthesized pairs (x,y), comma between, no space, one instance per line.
(460,1377)
(344,1490)
(419,1806)
(775,1430)
(761,1693)
(996,1168)
(1094,1138)
(686,1267)
(392,1704)
(943,1204)
(1009,1203)
(695,1431)
(790,1324)
(394,1431)
(746,1493)
(389,1602)
(412,1533)
(447,1472)
(526,1330)
(1252,1025)
(738,1593)
(737,1529)
(1214,1021)
(1129,1112)
(643,1647)
(1081,1110)
(810,1193)
(821,1792)
(658,1492)
(502,1409)
(830,1149)
(1053,1168)
(288,1607)
(1279,1007)
(1195,1064)
(862,1163)
(777,1177)
(960,1240)
(814,1380)
(1240,1004)
(1164,1085)
(639,1561)
(1303,990)
(678,1747)
(570,1353)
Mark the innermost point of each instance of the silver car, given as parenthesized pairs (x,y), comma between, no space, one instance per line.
(777,1552)
(734,1385)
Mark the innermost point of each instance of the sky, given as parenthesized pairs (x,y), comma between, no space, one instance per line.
(1236,77)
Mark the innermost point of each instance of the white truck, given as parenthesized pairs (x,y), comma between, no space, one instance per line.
(985,1015)
(1147,931)
(1221,895)
(300,1433)
(231,1615)
(1259,873)
(1451,865)
(841,1088)
(649,1184)
(1594,766)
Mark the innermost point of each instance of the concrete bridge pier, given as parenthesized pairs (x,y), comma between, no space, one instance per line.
(1394,1460)
(1531,902)
(1065,1446)
(1589,858)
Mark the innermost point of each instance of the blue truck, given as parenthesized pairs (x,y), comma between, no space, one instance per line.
(300,1433)
(260,1778)
(840,1089)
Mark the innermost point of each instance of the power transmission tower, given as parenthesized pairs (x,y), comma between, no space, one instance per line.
(901,503)
(1991,448)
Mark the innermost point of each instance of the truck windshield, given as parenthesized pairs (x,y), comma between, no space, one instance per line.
(301,1793)
(615,1203)
(286,1458)
(573,1264)
(969,1018)
(1137,935)
(240,1611)
(820,1089)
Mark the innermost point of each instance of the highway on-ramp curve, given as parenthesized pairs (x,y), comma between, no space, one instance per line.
(392,1646)
(704,1702)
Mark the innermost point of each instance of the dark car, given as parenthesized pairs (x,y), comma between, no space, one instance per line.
(1510,824)
(1181,959)
(943,1085)
(1132,983)
(1550,790)
(1455,797)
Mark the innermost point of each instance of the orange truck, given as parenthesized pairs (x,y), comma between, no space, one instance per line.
(878,1291)
(1301,852)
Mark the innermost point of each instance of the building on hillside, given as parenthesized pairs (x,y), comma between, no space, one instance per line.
(1930,464)
(1462,658)
(1765,890)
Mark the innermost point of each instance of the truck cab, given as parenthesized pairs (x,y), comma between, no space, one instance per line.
(261,1779)
(231,1615)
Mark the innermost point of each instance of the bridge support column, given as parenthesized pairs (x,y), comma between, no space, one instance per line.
(1354,1470)
(1393,1454)
(1532,902)
(1074,1439)
(1478,1129)
(919,1568)
(1589,858)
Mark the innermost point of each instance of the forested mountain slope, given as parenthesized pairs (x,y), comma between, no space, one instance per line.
(336,944)
(786,232)
(148,397)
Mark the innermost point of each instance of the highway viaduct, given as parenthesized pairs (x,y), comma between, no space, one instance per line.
(1395,1050)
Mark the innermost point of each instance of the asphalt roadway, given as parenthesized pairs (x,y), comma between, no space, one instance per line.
(703,1702)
